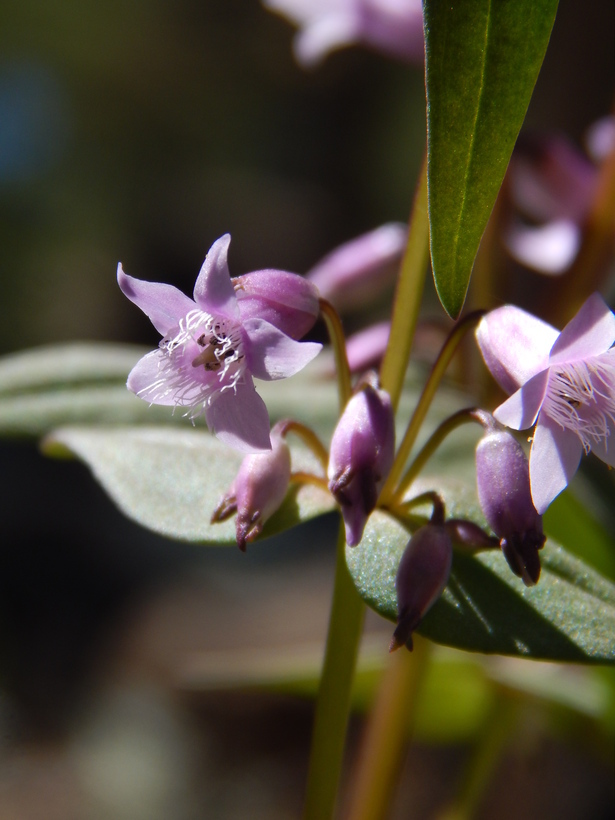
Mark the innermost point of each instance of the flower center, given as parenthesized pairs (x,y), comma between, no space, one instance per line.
(202,359)
(581,397)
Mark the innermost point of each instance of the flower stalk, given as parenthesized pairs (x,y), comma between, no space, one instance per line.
(336,335)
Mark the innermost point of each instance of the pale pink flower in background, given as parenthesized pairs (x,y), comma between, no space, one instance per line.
(562,382)
(394,27)
(210,352)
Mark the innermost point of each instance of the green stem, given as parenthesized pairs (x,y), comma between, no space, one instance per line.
(333,703)
(390,725)
(471,414)
(408,295)
(338,342)
(308,436)
(429,391)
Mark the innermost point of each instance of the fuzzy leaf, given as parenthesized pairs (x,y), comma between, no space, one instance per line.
(568,616)
(170,481)
(482,61)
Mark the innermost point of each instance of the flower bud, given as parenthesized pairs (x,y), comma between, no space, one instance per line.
(503,482)
(257,491)
(285,300)
(357,271)
(423,573)
(361,456)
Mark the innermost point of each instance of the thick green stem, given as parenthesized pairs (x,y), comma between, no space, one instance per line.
(338,343)
(390,725)
(333,703)
(424,403)
(408,295)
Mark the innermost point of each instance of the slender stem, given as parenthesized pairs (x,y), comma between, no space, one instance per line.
(301,477)
(333,703)
(471,414)
(338,342)
(408,295)
(308,436)
(391,722)
(429,391)
(492,741)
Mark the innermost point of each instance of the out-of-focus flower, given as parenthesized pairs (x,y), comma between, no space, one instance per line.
(285,300)
(210,352)
(551,185)
(354,273)
(361,456)
(366,348)
(394,27)
(258,489)
(503,483)
(564,382)
(423,573)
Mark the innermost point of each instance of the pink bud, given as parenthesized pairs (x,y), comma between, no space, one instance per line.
(258,490)
(285,300)
(361,456)
(423,573)
(503,483)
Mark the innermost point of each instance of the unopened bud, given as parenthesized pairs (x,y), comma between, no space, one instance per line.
(285,300)
(258,490)
(503,482)
(423,573)
(362,450)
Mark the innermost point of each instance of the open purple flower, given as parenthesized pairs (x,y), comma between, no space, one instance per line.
(564,382)
(210,352)
(392,26)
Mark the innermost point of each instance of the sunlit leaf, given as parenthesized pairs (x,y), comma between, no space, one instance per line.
(171,480)
(482,61)
(569,615)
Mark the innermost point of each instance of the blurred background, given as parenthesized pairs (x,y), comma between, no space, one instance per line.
(140,131)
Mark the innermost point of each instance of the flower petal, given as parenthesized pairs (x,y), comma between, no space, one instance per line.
(144,380)
(590,333)
(522,408)
(213,290)
(515,345)
(549,249)
(554,459)
(273,355)
(606,453)
(239,418)
(164,304)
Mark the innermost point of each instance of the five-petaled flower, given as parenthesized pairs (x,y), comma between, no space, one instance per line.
(565,382)
(210,350)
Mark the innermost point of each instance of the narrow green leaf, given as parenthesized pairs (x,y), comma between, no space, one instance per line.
(568,616)
(171,480)
(482,61)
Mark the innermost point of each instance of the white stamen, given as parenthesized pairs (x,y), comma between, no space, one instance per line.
(193,381)
(581,397)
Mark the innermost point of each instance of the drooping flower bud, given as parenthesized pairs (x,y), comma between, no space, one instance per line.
(503,482)
(258,490)
(285,300)
(353,274)
(423,573)
(361,456)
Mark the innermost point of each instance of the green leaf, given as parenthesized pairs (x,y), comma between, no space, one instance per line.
(171,480)
(569,615)
(482,61)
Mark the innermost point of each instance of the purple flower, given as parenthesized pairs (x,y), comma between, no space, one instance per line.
(258,489)
(210,352)
(357,271)
(423,573)
(564,382)
(392,26)
(503,483)
(361,456)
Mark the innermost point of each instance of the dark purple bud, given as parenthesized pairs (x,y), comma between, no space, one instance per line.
(362,450)
(503,481)
(285,300)
(423,573)
(257,491)
(468,534)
